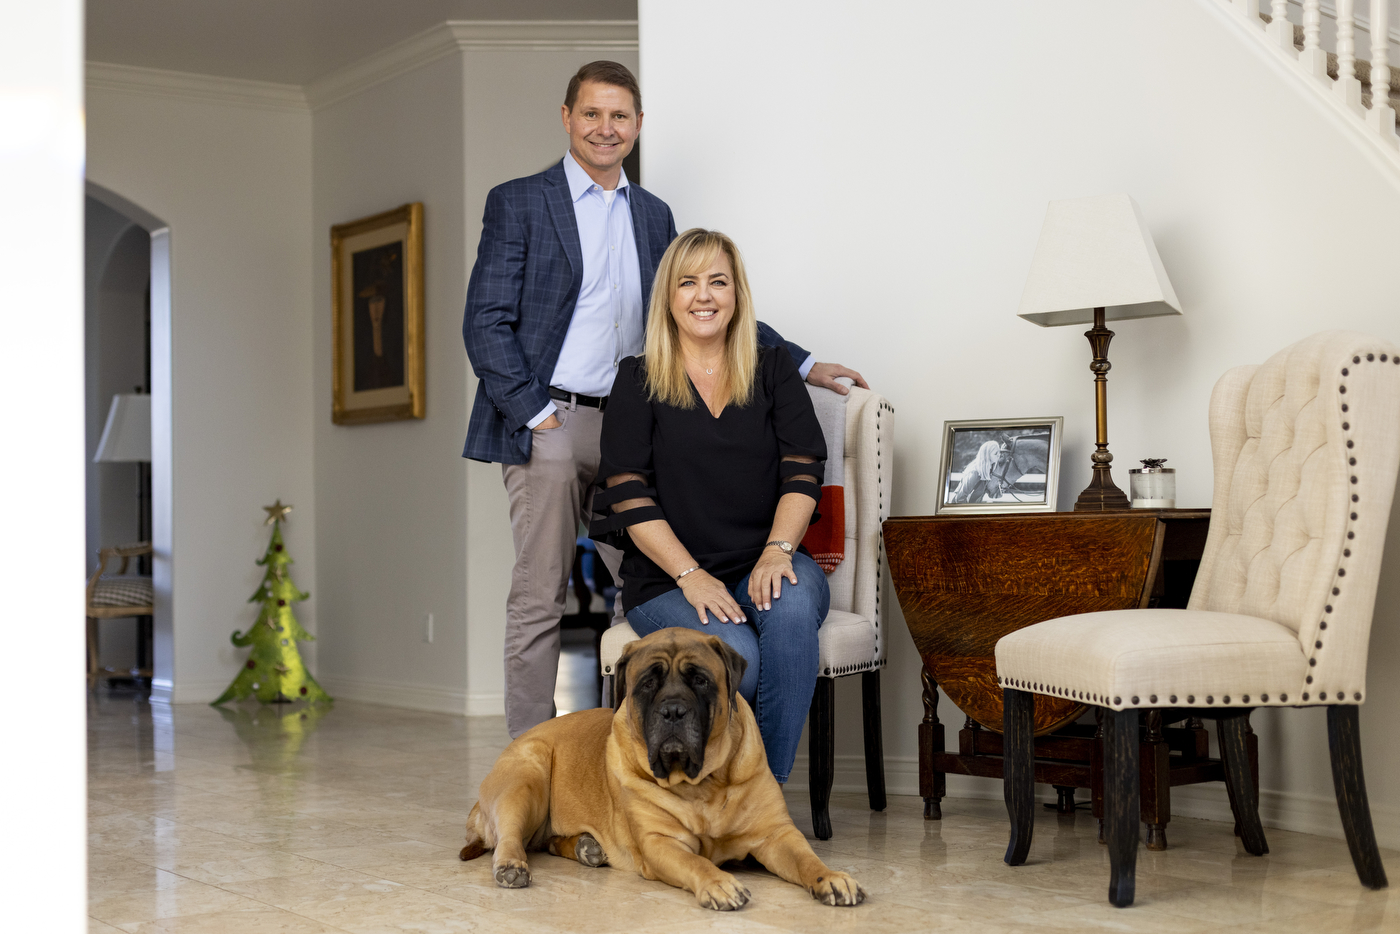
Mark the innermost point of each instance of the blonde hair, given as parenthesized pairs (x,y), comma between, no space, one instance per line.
(666,381)
(986,459)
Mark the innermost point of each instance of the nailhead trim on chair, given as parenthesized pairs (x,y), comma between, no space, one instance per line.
(1038,688)
(852,669)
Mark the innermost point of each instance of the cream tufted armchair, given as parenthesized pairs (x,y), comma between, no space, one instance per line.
(1306,449)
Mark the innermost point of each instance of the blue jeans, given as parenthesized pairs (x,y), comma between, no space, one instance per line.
(780,646)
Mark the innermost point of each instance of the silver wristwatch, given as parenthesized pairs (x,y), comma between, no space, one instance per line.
(785,547)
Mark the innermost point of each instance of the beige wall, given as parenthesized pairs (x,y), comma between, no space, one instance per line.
(234,184)
(887,182)
(391,497)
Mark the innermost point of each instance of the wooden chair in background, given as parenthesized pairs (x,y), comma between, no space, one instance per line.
(117,597)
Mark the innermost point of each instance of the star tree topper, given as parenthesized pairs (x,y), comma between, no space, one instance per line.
(276,511)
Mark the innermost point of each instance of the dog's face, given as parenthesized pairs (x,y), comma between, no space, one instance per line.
(682,686)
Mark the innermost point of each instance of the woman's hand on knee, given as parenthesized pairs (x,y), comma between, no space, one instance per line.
(766,579)
(706,592)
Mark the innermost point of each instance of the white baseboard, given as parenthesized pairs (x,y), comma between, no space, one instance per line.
(392,694)
(186,692)
(1282,810)
(486,705)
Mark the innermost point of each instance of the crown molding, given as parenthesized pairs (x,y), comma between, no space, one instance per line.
(471,35)
(238,92)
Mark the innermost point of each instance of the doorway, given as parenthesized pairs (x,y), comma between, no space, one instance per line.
(127,356)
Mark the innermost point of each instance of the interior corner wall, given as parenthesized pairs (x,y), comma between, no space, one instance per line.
(887,184)
(234,184)
(511,103)
(390,496)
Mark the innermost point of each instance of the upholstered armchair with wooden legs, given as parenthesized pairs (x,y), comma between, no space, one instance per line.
(116,597)
(1306,448)
(852,638)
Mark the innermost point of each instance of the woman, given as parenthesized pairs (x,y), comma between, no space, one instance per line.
(711,462)
(979,476)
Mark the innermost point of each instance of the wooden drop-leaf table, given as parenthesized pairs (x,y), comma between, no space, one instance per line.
(963,582)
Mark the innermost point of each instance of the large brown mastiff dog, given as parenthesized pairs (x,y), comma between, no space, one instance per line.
(671,786)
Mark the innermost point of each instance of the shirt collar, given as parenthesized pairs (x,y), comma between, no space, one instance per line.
(580,183)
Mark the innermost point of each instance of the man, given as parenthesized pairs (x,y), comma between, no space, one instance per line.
(557,298)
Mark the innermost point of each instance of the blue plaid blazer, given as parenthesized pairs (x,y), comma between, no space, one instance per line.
(521,297)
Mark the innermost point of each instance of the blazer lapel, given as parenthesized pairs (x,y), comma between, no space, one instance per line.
(645,262)
(561,212)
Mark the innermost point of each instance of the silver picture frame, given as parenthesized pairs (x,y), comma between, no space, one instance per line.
(1023,467)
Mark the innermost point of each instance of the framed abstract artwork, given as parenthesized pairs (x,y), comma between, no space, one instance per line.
(1000,465)
(377,293)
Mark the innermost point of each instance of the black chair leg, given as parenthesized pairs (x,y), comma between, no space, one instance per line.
(821,754)
(1018,770)
(1239,782)
(874,739)
(1344,743)
(605,698)
(1122,802)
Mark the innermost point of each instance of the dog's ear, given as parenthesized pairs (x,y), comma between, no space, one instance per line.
(734,666)
(620,672)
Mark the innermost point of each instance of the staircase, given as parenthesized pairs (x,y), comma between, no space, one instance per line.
(1366,90)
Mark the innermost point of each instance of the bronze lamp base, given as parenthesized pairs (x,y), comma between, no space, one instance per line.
(1102,494)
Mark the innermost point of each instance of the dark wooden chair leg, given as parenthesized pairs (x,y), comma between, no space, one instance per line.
(1344,743)
(874,739)
(821,754)
(1018,771)
(933,785)
(1239,782)
(606,695)
(1122,803)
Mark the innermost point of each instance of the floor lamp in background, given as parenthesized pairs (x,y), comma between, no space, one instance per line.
(1096,263)
(126,438)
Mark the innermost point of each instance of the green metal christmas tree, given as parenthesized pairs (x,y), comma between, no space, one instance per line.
(274,671)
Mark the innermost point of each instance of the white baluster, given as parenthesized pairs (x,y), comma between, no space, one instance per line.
(1313,58)
(1249,9)
(1281,30)
(1347,87)
(1382,116)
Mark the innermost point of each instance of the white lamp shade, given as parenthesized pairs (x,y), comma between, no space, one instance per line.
(1096,253)
(127,436)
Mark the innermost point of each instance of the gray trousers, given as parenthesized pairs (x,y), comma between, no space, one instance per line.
(548,498)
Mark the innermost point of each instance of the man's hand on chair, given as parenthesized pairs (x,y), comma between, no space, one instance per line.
(825,374)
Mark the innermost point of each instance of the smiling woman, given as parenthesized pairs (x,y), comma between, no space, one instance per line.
(710,457)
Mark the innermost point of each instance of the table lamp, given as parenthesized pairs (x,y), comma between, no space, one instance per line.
(126,438)
(1096,262)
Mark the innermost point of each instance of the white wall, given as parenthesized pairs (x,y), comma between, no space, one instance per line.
(43,878)
(887,183)
(233,181)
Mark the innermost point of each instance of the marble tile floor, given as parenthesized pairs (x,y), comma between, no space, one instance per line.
(250,820)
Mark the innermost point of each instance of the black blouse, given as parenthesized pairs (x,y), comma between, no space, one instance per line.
(717,481)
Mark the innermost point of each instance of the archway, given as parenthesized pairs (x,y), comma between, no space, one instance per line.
(161,485)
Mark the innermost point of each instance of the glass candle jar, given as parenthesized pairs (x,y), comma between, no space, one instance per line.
(1153,486)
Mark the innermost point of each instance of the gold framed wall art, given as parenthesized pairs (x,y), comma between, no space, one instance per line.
(377,293)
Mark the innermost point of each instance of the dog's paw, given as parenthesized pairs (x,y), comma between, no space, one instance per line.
(512,875)
(589,851)
(723,894)
(837,889)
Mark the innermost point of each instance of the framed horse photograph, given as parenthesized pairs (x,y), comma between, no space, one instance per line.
(1000,465)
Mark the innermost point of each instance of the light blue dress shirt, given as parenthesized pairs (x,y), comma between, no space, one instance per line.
(607,322)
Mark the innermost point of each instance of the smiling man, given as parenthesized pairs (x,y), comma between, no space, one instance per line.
(557,298)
